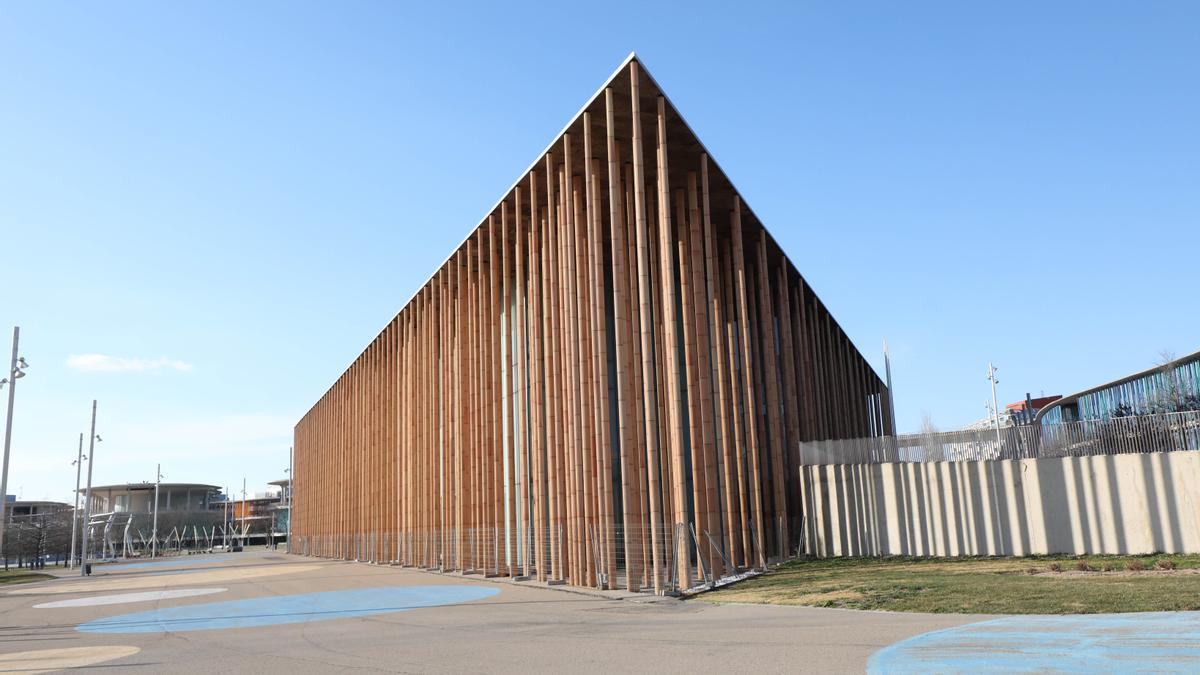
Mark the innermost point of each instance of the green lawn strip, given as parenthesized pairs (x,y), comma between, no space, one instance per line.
(22,576)
(975,585)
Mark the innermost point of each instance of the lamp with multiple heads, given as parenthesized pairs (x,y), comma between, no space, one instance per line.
(17,373)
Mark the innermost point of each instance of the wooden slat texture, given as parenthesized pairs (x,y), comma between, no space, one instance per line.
(606,384)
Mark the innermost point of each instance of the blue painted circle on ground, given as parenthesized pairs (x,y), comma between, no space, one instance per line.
(1084,643)
(281,609)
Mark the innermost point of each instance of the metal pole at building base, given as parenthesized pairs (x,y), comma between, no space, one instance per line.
(75,513)
(291,493)
(154,527)
(87,499)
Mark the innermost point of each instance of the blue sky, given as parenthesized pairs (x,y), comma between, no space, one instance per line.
(226,201)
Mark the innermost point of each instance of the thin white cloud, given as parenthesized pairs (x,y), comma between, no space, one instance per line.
(103,363)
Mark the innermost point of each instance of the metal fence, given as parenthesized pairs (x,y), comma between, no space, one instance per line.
(1168,432)
(620,557)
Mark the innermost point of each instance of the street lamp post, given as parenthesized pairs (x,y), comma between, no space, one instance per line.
(242,525)
(154,527)
(291,491)
(995,407)
(15,372)
(75,514)
(87,499)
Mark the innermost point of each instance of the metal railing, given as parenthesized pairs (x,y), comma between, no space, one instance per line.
(619,557)
(1168,432)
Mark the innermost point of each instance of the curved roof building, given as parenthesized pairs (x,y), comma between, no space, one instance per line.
(139,498)
(1172,387)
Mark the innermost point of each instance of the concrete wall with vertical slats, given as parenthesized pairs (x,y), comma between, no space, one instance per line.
(1116,504)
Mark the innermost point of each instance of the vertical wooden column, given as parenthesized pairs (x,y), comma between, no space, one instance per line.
(671,325)
(626,416)
(647,334)
(602,437)
(537,365)
(717,322)
(552,335)
(521,499)
(639,450)
(582,469)
(691,380)
(737,407)
(507,512)
(495,525)
(774,406)
(788,364)
(743,313)
(700,308)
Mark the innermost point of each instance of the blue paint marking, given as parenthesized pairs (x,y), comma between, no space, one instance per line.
(1086,643)
(189,560)
(282,609)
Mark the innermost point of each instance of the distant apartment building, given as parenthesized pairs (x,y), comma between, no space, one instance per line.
(254,516)
(24,508)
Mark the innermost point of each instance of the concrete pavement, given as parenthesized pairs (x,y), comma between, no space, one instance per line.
(520,628)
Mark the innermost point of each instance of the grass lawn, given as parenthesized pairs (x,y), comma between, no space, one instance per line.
(977,585)
(22,576)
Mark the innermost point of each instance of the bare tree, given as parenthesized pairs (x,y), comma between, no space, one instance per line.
(929,437)
(1172,394)
(36,537)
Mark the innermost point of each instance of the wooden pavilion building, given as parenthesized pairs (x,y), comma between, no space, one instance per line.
(605,385)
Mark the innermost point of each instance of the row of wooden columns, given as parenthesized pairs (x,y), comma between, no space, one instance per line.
(606,385)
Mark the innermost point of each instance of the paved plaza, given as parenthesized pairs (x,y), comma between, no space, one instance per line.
(266,611)
(241,616)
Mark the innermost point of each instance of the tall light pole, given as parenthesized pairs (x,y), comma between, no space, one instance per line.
(15,372)
(75,514)
(87,499)
(995,408)
(291,487)
(242,525)
(154,527)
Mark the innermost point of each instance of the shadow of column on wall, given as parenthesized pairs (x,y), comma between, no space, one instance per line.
(1020,498)
(1114,491)
(1104,504)
(1079,505)
(1152,504)
(1056,519)
(917,488)
(974,496)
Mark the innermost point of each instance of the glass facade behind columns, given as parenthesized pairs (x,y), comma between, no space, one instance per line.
(1171,388)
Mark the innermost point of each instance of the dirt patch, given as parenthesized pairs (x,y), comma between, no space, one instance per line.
(1076,574)
(827,597)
